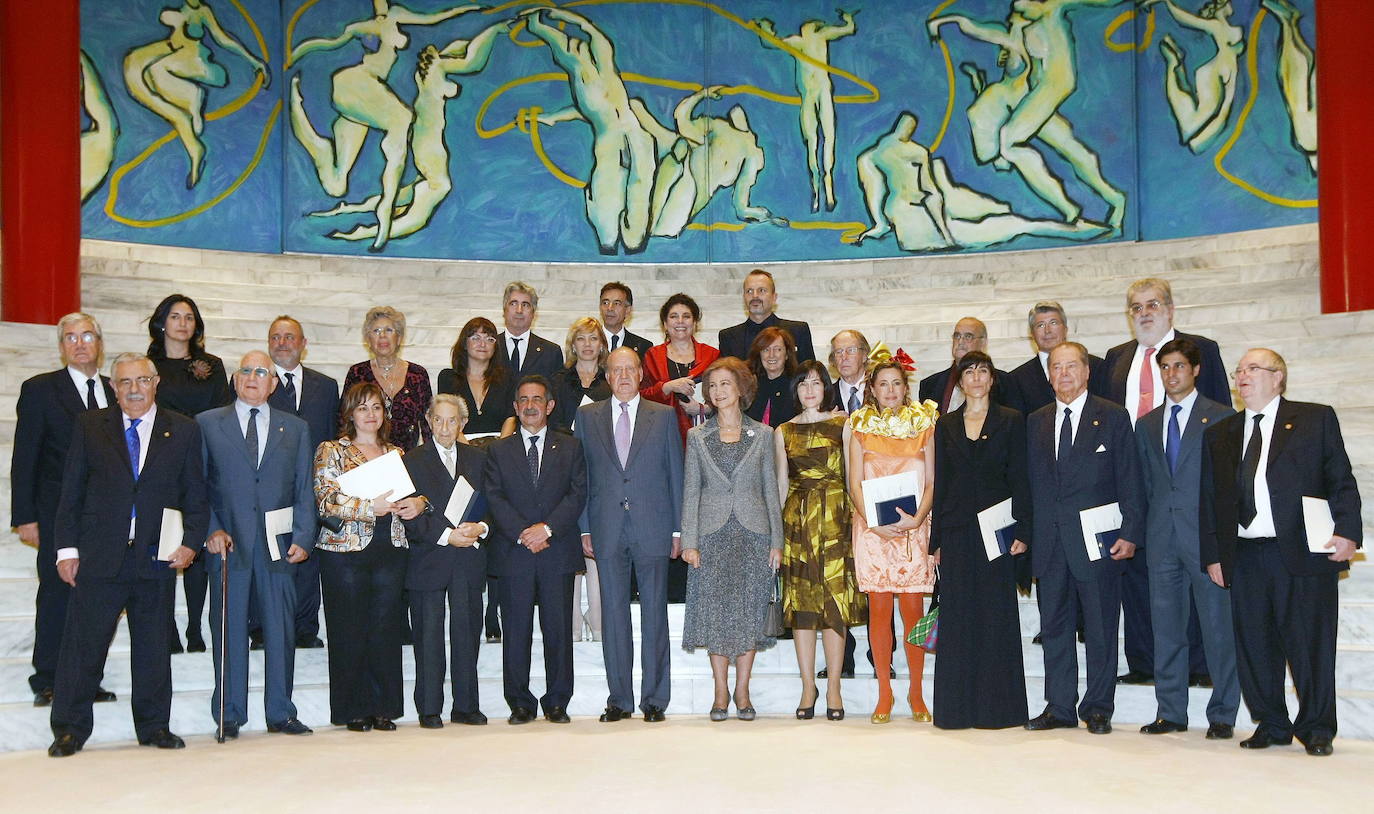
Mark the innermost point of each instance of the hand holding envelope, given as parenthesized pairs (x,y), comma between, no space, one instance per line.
(1320,528)
(169,547)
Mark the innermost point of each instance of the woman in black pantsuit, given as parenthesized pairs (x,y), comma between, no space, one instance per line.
(980,460)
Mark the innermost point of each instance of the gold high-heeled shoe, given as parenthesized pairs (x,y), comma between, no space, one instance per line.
(880,718)
(921,717)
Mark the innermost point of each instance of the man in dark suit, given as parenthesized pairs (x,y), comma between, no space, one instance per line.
(1082,456)
(446,561)
(536,484)
(617,304)
(521,352)
(943,387)
(257,461)
(1030,382)
(127,465)
(760,300)
(309,394)
(1169,443)
(1133,381)
(1259,468)
(633,520)
(46,414)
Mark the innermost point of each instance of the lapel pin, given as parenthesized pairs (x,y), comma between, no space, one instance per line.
(1204,419)
(1288,426)
(1094,422)
(984,438)
(281,429)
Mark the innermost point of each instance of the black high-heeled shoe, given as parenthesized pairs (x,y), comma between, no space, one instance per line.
(833,714)
(807,713)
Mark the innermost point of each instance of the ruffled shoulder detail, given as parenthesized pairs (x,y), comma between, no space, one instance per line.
(907,421)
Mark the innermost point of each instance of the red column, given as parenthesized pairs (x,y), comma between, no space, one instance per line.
(1345,171)
(40,160)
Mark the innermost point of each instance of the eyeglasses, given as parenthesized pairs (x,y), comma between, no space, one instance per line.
(1152,305)
(126,384)
(259,372)
(965,337)
(383,331)
(1250,370)
(79,339)
(853,351)
(485,339)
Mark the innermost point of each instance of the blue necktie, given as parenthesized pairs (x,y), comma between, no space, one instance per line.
(533,459)
(1171,441)
(1065,437)
(132,442)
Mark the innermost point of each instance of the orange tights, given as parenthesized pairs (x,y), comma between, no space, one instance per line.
(880,639)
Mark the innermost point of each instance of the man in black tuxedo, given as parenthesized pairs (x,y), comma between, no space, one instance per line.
(536,483)
(521,352)
(1133,381)
(943,387)
(127,465)
(1258,469)
(446,561)
(1082,456)
(309,394)
(49,405)
(760,300)
(1049,326)
(617,304)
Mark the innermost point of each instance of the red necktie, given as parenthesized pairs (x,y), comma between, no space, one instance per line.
(1147,386)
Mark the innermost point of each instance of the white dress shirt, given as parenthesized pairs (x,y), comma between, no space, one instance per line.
(145,436)
(1076,406)
(452,451)
(615,414)
(524,345)
(846,389)
(79,379)
(1263,524)
(1133,375)
(297,374)
(242,409)
(540,438)
(609,336)
(1044,357)
(1187,405)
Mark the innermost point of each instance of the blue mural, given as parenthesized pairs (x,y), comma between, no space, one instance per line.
(688,131)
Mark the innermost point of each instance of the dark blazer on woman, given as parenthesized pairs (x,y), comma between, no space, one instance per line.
(568,395)
(408,425)
(498,406)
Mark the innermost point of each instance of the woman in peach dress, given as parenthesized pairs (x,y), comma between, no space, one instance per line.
(887,436)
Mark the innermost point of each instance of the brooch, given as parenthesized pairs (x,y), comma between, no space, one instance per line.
(200,369)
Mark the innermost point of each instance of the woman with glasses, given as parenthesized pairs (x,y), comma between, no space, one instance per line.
(191,381)
(486,387)
(404,385)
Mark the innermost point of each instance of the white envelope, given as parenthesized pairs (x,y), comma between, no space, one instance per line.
(1095,520)
(278,521)
(888,487)
(990,521)
(458,501)
(1320,525)
(377,477)
(473,436)
(699,392)
(172,532)
(1101,447)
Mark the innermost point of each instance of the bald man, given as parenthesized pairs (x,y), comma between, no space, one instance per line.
(943,388)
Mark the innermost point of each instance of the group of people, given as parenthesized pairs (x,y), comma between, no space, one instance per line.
(733,476)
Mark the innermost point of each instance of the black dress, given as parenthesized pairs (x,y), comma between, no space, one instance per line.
(775,399)
(979,681)
(498,406)
(568,395)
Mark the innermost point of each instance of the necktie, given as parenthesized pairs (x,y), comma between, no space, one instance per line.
(1249,467)
(250,438)
(1147,386)
(1172,440)
(615,341)
(131,440)
(448,463)
(515,356)
(532,458)
(91,403)
(622,435)
(291,389)
(1065,437)
(853,405)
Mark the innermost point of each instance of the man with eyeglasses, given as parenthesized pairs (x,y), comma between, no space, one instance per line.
(1263,470)
(943,387)
(1030,381)
(49,405)
(128,465)
(258,460)
(760,301)
(519,350)
(1133,380)
(617,305)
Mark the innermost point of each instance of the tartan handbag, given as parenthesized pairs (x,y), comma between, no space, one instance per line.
(926,632)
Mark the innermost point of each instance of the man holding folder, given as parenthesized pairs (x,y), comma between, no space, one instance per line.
(133,477)
(1088,517)
(262,503)
(1280,519)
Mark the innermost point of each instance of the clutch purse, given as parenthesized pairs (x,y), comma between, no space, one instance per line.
(772,619)
(926,632)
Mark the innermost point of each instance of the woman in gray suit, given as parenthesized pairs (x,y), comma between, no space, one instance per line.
(731,534)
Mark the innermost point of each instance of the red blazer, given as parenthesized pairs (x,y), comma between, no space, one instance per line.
(656,373)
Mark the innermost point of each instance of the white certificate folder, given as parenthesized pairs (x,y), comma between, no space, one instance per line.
(465,505)
(377,477)
(1318,523)
(170,538)
(278,521)
(1101,529)
(997,527)
(883,495)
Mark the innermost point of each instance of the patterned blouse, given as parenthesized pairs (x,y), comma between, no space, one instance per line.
(332,459)
(406,409)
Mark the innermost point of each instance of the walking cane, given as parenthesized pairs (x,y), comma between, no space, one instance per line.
(223,639)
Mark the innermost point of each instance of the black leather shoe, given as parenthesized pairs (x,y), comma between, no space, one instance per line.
(520,715)
(1319,746)
(1199,680)
(431,722)
(1263,740)
(557,715)
(1162,727)
(163,739)
(1219,732)
(1045,721)
(826,673)
(653,714)
(614,713)
(175,646)
(469,718)
(383,724)
(104,696)
(290,726)
(359,725)
(493,638)
(1135,677)
(255,642)
(231,731)
(194,643)
(1099,724)
(312,643)
(1037,639)
(43,698)
(64,746)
